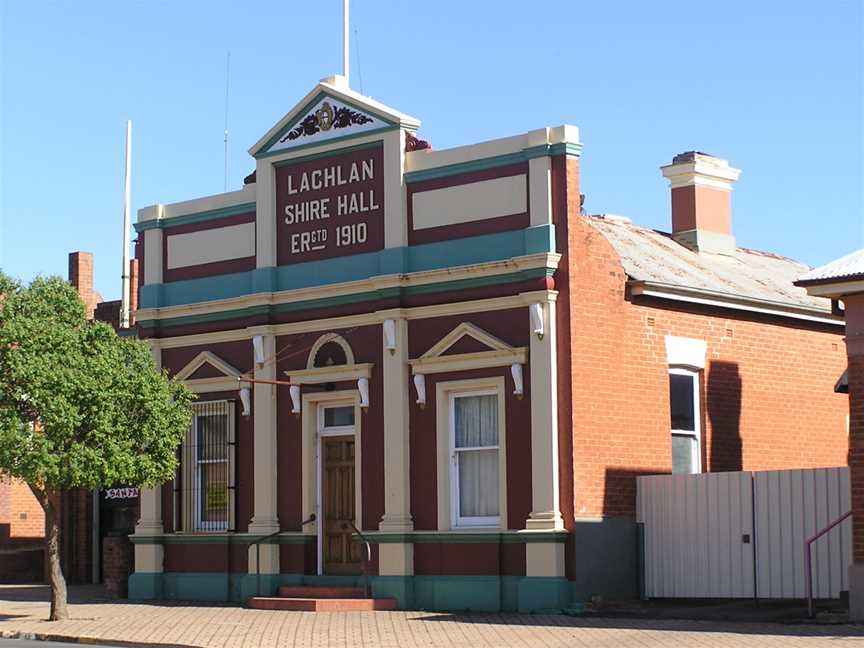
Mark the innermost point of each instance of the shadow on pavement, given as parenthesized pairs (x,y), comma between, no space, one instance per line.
(660,624)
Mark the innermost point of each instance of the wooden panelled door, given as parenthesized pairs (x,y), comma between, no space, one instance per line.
(341,554)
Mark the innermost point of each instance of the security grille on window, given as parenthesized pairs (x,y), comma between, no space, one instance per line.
(474,452)
(205,501)
(686,419)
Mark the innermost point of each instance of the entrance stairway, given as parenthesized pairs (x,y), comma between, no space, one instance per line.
(321,598)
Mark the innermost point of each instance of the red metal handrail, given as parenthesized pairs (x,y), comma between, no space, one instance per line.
(808,571)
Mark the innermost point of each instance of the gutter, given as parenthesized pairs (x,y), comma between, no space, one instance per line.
(733,302)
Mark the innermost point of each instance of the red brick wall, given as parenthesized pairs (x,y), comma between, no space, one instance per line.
(767,388)
(20,510)
(856,452)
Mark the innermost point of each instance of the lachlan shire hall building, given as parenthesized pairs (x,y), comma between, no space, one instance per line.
(436,352)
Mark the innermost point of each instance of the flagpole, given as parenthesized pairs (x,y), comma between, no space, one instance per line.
(124,304)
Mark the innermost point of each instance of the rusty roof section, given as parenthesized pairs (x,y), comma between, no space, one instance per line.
(655,257)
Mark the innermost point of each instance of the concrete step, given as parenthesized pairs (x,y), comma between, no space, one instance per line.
(321,604)
(320,591)
(333,581)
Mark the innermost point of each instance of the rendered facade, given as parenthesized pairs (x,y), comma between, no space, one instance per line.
(437,350)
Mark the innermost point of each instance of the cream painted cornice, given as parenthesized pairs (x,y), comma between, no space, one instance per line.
(468,361)
(544,260)
(218,384)
(330,374)
(364,319)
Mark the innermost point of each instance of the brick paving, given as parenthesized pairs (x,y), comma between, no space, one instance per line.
(235,627)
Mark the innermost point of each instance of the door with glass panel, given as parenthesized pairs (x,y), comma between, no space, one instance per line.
(474,455)
(337,456)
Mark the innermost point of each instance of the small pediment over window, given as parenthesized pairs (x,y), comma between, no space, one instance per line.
(207,366)
(466,338)
(468,347)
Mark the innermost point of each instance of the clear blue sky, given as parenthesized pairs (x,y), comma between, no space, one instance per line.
(775,87)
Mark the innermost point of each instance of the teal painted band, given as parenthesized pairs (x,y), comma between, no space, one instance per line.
(197,217)
(437,537)
(302,113)
(564,148)
(316,304)
(418,258)
(490,593)
(220,539)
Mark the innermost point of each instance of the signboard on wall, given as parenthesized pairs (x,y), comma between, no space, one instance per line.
(331,206)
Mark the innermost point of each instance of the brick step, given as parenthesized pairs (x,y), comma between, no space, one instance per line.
(320,591)
(321,604)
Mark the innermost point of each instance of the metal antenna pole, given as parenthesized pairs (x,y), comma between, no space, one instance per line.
(345,34)
(227,77)
(124,304)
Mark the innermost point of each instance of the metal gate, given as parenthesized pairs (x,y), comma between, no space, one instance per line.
(741,534)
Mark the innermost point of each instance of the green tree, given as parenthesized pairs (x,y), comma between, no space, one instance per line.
(80,406)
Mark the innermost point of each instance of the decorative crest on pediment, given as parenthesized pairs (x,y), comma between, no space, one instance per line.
(328,118)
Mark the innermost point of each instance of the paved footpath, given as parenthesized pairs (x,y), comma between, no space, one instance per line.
(230,627)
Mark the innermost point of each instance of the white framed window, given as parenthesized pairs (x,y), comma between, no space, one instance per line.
(474,459)
(686,418)
(206,502)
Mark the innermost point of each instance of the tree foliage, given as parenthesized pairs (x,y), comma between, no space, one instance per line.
(81,406)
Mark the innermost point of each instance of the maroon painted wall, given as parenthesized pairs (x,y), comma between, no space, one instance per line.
(511,326)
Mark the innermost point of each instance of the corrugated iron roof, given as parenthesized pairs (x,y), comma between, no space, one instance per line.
(845,268)
(655,257)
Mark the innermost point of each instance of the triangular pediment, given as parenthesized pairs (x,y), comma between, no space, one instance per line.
(466,338)
(207,365)
(331,111)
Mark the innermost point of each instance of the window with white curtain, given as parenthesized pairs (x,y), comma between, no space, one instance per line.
(474,448)
(685,420)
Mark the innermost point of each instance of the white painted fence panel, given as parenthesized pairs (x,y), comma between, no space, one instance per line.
(791,506)
(694,525)
(700,539)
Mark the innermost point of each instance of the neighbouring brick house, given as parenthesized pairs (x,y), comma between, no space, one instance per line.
(843,279)
(22,531)
(440,348)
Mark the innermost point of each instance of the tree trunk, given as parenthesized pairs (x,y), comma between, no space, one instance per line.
(59,611)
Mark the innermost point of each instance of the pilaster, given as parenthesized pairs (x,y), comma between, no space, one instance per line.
(264,517)
(545,509)
(149,557)
(265,214)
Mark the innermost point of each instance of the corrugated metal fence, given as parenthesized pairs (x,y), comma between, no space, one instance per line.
(741,534)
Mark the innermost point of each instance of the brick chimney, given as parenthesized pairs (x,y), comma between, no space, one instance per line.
(702,201)
(81,278)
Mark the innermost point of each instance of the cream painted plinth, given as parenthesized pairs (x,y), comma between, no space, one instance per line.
(544,559)
(395,559)
(545,509)
(269,559)
(149,558)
